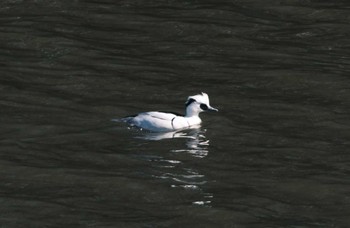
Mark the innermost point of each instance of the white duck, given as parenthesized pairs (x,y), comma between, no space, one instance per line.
(167,121)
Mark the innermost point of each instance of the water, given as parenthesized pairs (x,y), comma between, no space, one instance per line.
(276,155)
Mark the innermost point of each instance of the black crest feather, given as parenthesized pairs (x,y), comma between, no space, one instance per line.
(189,101)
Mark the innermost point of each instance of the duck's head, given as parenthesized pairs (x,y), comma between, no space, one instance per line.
(197,104)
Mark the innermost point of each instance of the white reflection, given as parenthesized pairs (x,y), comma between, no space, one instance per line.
(176,172)
(196,142)
(186,133)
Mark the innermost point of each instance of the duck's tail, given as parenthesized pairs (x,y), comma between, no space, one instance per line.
(126,119)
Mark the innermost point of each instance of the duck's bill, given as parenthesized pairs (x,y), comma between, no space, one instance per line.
(211,109)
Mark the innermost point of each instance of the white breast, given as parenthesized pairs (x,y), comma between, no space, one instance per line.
(180,122)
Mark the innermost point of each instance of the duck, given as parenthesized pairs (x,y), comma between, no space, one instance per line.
(158,121)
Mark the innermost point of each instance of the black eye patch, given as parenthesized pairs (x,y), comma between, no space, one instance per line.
(204,107)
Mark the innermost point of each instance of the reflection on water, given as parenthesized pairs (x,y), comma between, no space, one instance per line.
(177,172)
(197,146)
(189,133)
(196,143)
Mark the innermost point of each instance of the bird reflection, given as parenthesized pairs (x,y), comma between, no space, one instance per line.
(196,143)
(177,172)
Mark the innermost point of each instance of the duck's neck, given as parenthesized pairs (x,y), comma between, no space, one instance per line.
(191,113)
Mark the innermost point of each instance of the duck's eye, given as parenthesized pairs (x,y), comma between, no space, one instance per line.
(204,107)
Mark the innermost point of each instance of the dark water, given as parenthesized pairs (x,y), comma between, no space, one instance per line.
(276,155)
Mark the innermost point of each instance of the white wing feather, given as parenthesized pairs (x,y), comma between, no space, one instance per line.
(154,121)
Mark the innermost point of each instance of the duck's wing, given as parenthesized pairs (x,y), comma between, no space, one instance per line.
(154,121)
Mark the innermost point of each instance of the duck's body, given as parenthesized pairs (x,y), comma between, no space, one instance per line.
(165,121)
(162,121)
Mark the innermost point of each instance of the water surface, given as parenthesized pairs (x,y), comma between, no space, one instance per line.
(276,155)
